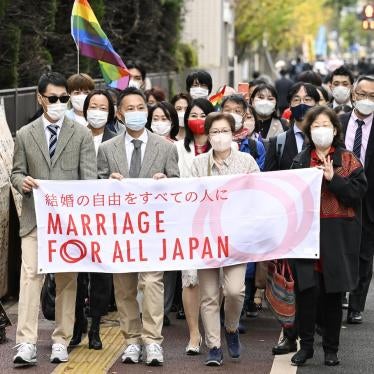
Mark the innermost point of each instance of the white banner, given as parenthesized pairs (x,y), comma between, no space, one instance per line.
(176,224)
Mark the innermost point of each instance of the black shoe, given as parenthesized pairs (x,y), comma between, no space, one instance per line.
(301,356)
(80,328)
(215,357)
(252,310)
(180,314)
(285,346)
(94,341)
(241,327)
(166,320)
(354,318)
(331,359)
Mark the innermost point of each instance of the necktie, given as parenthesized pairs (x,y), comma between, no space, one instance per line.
(136,159)
(358,138)
(52,139)
(302,135)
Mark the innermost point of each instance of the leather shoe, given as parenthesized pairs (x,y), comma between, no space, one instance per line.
(331,359)
(285,346)
(354,318)
(80,328)
(301,356)
(94,341)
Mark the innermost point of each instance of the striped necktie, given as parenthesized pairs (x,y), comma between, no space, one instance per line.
(358,138)
(52,139)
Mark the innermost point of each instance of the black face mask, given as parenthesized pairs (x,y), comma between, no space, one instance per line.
(299,111)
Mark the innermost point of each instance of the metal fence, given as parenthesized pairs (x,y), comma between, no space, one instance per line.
(21,103)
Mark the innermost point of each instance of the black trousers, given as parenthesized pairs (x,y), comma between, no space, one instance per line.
(97,286)
(330,308)
(357,298)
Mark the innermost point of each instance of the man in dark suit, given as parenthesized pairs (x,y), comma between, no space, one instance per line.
(283,85)
(51,148)
(282,150)
(138,153)
(358,129)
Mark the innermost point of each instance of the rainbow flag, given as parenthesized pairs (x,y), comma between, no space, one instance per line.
(92,42)
(217,99)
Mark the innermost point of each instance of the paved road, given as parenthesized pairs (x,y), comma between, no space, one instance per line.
(356,352)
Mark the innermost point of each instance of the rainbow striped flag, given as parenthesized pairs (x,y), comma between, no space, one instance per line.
(217,99)
(92,42)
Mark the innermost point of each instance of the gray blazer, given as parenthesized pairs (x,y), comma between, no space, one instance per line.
(160,156)
(74,159)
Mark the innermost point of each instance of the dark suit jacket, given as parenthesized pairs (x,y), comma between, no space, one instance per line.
(368,201)
(290,151)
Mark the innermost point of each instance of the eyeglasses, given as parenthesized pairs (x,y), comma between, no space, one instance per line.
(306,100)
(216,132)
(364,95)
(53,99)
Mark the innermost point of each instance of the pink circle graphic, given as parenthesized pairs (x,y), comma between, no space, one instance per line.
(294,233)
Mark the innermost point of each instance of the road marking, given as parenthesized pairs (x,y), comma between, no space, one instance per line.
(282,363)
(88,361)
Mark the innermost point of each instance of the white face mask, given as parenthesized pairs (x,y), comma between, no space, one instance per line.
(199,92)
(322,136)
(161,128)
(134,83)
(56,111)
(221,142)
(238,121)
(264,107)
(135,120)
(77,101)
(181,118)
(341,94)
(97,118)
(365,107)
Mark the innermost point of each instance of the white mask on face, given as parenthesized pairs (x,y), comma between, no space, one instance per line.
(221,142)
(264,107)
(322,136)
(181,118)
(77,101)
(341,94)
(161,128)
(56,111)
(199,92)
(97,118)
(134,83)
(135,120)
(238,121)
(365,107)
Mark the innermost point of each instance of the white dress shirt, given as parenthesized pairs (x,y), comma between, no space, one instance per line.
(46,123)
(97,139)
(130,146)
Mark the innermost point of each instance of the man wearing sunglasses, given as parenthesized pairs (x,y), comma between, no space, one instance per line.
(54,148)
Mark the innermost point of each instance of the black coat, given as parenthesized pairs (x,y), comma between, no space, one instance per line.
(368,201)
(272,161)
(283,85)
(340,232)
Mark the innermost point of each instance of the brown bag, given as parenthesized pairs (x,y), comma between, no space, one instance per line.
(261,274)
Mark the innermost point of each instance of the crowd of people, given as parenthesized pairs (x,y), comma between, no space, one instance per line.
(137,133)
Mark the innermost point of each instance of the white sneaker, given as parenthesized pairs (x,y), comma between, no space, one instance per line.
(155,355)
(26,354)
(59,353)
(132,354)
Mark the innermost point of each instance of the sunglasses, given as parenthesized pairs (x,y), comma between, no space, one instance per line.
(53,99)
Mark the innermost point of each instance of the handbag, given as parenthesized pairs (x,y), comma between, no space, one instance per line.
(279,293)
(48,296)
